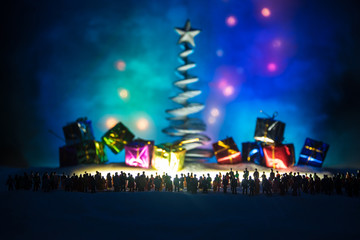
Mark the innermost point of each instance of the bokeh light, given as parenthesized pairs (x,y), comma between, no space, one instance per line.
(219,52)
(270,41)
(211,120)
(266,12)
(214,112)
(228,91)
(222,83)
(121,65)
(142,124)
(272,67)
(276,43)
(123,93)
(111,122)
(231,21)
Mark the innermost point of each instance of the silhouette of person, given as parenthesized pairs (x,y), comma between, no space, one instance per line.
(225,183)
(252,186)
(176,183)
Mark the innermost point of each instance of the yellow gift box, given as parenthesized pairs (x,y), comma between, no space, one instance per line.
(168,157)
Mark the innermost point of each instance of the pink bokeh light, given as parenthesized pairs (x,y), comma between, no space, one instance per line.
(265,12)
(215,112)
(121,65)
(276,43)
(231,21)
(272,67)
(222,83)
(228,82)
(142,124)
(228,91)
(211,120)
(111,122)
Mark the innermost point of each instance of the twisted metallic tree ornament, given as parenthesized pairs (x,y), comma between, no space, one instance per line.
(180,124)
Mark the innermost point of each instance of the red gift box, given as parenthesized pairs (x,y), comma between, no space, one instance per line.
(226,151)
(279,157)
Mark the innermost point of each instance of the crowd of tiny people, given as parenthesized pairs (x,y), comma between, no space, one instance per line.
(276,183)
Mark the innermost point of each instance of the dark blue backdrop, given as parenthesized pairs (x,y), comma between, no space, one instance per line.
(63,60)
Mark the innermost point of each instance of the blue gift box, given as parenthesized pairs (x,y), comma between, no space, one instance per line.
(313,153)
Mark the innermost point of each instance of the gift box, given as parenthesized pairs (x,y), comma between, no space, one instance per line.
(313,153)
(269,130)
(91,152)
(168,157)
(86,152)
(139,153)
(280,156)
(78,131)
(252,152)
(226,151)
(117,137)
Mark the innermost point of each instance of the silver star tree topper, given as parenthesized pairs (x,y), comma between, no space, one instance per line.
(187,34)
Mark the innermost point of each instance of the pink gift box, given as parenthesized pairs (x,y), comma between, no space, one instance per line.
(139,153)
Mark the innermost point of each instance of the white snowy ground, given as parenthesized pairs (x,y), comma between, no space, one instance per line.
(163,215)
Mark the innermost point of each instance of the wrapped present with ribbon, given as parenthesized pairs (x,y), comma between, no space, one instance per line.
(139,153)
(86,152)
(226,151)
(117,137)
(280,156)
(313,153)
(91,152)
(252,152)
(269,130)
(170,157)
(78,131)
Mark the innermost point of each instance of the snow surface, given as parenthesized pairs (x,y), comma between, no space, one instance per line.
(164,215)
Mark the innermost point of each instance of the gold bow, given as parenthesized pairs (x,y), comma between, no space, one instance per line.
(266,130)
(312,154)
(226,147)
(273,155)
(313,149)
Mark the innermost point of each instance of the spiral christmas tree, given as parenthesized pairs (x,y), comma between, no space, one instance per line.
(181,125)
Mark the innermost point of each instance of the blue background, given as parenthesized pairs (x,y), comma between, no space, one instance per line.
(59,62)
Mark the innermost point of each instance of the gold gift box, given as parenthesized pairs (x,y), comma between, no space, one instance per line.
(168,157)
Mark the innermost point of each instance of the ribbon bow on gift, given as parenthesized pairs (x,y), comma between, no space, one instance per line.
(312,154)
(225,147)
(275,162)
(313,149)
(267,127)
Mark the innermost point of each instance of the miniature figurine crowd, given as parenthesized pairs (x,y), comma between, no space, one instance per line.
(275,183)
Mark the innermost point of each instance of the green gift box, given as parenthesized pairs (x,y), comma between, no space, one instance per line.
(117,137)
(86,152)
